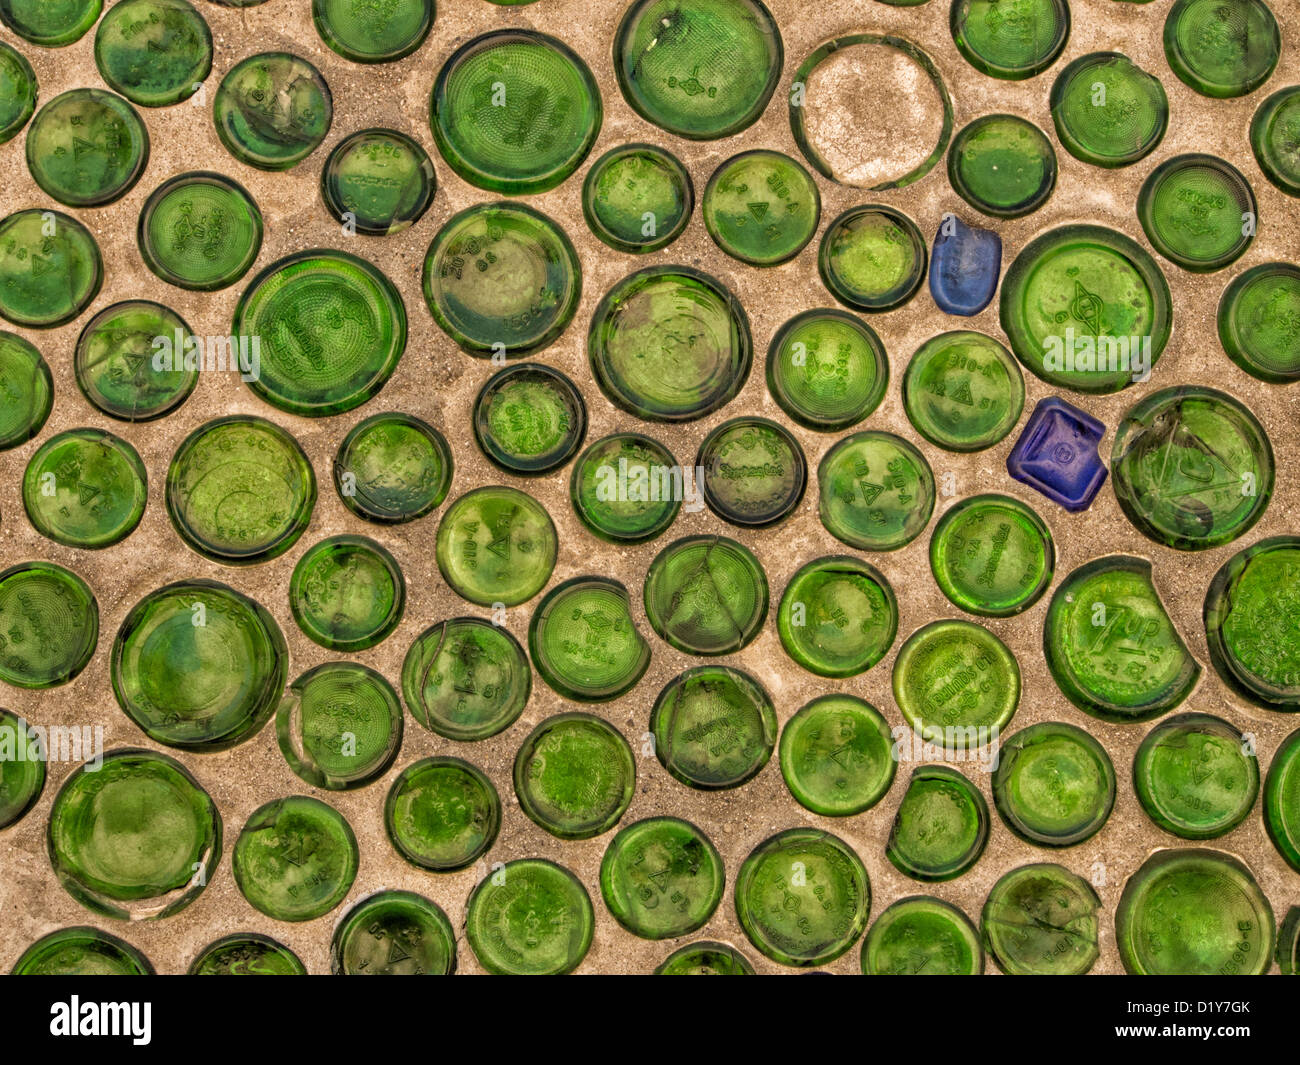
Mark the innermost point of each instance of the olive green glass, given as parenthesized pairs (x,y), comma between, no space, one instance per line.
(22,768)
(200,230)
(1192,467)
(272,110)
(922,936)
(496,545)
(1054,785)
(198,666)
(754,472)
(1288,943)
(876,491)
(28,388)
(502,280)
(1198,211)
(761,207)
(872,258)
(1222,48)
(1111,646)
(661,878)
(85,488)
(347,593)
(1282,800)
(827,369)
(87,147)
(1274,138)
(134,837)
(1108,111)
(394,933)
(837,755)
(465,679)
(941,826)
(50,268)
(50,624)
(529,419)
(115,361)
(669,344)
(154,52)
(714,727)
(81,952)
(1041,920)
(240,490)
(638,198)
(803,897)
(18,91)
(575,776)
(838,616)
(992,555)
(373,33)
(515,111)
(1015,44)
(584,642)
(1194,912)
(50,25)
(627,488)
(392,468)
(530,917)
(442,814)
(377,182)
(705,958)
(706,595)
(701,69)
(1257,322)
(246,954)
(295,858)
(963,391)
(1003,166)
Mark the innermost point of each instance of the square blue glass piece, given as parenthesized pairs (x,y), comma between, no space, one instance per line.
(1057,454)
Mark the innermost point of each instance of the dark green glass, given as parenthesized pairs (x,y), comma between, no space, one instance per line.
(442,814)
(295,858)
(1011,41)
(50,268)
(1274,138)
(670,344)
(1002,165)
(706,595)
(531,917)
(761,207)
(705,958)
(373,33)
(115,361)
(502,280)
(661,878)
(339,725)
(876,491)
(1192,467)
(638,198)
(465,679)
(1259,322)
(1196,776)
(627,488)
(240,490)
(246,954)
(837,755)
(872,258)
(347,593)
(1108,111)
(394,933)
(51,25)
(575,776)
(1288,943)
(496,545)
(1194,913)
(838,616)
(135,837)
(154,52)
(199,666)
(81,952)
(49,625)
(1282,800)
(200,230)
(827,369)
(272,110)
(1086,308)
(803,896)
(85,488)
(922,936)
(702,69)
(1222,48)
(1041,920)
(87,148)
(1111,646)
(378,182)
(754,472)
(992,555)
(963,391)
(1054,785)
(28,388)
(22,768)
(18,91)
(714,727)
(529,419)
(392,468)
(1198,212)
(584,642)
(941,827)
(515,111)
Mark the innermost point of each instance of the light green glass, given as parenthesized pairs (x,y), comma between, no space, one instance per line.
(706,595)
(661,878)
(28,389)
(85,488)
(575,776)
(1259,322)
(87,148)
(1198,211)
(246,954)
(347,593)
(1108,111)
(496,545)
(154,52)
(963,391)
(941,826)
(638,198)
(584,642)
(876,491)
(442,814)
(838,616)
(81,952)
(49,625)
(837,755)
(378,182)
(1222,48)
(705,958)
(50,24)
(1275,139)
(1054,785)
(200,230)
(827,369)
(922,936)
(1041,920)
(394,933)
(761,207)
(530,918)
(18,92)
(392,468)
(627,488)
(1002,165)
(529,419)
(872,258)
(22,768)
(50,268)
(272,110)
(1010,41)
(115,366)
(373,33)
